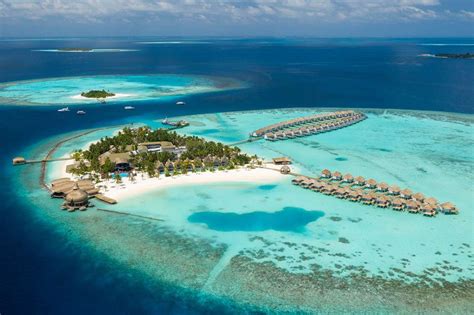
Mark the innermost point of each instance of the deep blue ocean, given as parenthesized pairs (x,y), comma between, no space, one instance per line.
(41,273)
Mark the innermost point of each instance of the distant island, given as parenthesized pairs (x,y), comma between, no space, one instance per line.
(456,56)
(75,49)
(97,94)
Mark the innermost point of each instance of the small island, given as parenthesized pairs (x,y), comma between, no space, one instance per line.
(456,56)
(76,49)
(97,94)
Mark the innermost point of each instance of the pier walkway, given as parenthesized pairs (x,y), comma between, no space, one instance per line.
(309,125)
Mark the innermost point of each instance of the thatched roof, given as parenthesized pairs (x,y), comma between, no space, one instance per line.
(348,177)
(326,172)
(394,189)
(431,201)
(448,206)
(77,195)
(406,192)
(371,182)
(337,174)
(419,196)
(398,202)
(412,204)
(359,179)
(382,186)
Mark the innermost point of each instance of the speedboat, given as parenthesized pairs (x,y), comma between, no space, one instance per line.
(129,108)
(180,103)
(64,109)
(81,112)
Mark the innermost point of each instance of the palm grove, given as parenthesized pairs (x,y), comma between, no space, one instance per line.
(196,157)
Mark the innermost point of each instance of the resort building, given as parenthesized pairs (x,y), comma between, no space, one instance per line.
(77,199)
(281,161)
(160,146)
(121,160)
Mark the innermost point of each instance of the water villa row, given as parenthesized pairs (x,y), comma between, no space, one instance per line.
(370,192)
(310,125)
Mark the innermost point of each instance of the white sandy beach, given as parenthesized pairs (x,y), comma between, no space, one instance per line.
(142,183)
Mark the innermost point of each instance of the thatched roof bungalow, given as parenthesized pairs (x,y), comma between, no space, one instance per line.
(359,180)
(326,173)
(406,193)
(394,190)
(449,208)
(348,178)
(371,183)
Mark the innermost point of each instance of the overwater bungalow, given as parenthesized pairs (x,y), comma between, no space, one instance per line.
(431,201)
(382,187)
(353,196)
(371,183)
(428,210)
(306,182)
(328,189)
(269,136)
(449,208)
(382,201)
(317,186)
(326,173)
(394,190)
(413,206)
(406,194)
(290,134)
(368,198)
(359,180)
(398,204)
(340,193)
(337,176)
(298,179)
(348,178)
(418,197)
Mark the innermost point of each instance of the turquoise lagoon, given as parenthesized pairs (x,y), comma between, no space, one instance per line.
(65,91)
(236,228)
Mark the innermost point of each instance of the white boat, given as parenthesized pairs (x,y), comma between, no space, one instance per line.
(129,108)
(180,103)
(81,112)
(64,109)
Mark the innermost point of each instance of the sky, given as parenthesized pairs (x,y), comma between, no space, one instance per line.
(248,18)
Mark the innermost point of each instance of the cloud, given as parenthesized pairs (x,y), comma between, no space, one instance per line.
(227,12)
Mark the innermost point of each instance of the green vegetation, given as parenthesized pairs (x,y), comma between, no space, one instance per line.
(199,155)
(97,94)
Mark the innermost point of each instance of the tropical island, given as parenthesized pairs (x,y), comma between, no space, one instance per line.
(456,56)
(97,94)
(154,152)
(144,156)
(76,49)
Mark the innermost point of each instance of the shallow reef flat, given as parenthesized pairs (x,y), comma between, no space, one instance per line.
(67,90)
(330,255)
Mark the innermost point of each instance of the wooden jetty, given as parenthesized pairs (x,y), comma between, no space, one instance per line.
(105,199)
